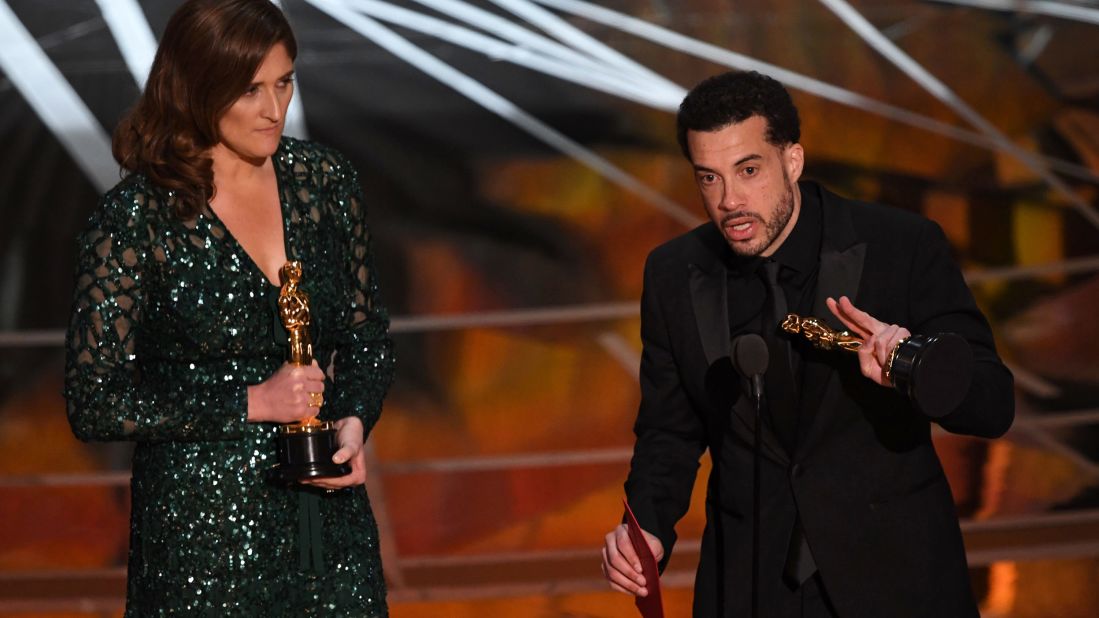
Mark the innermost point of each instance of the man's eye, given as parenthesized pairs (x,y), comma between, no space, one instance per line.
(750,171)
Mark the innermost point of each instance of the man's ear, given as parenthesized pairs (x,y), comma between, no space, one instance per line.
(794,160)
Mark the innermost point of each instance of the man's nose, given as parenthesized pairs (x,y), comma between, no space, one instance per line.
(732,198)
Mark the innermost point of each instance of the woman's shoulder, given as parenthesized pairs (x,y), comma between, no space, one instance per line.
(299,156)
(127,198)
(130,203)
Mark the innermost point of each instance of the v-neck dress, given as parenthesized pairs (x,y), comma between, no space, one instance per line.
(171,322)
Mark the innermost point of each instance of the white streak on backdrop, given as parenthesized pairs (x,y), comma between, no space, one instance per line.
(585,73)
(733,60)
(1037,44)
(585,43)
(1063,10)
(621,351)
(54,100)
(873,37)
(526,39)
(132,33)
(490,100)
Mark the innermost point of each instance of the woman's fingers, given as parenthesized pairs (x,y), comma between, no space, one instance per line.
(357,476)
(349,435)
(313,376)
(293,393)
(350,441)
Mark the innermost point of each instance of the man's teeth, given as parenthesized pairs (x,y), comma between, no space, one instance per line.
(742,226)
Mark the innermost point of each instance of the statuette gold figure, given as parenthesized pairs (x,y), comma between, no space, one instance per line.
(821,335)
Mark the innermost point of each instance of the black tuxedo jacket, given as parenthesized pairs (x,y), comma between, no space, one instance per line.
(874,503)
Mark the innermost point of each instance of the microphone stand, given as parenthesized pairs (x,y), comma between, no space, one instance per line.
(750,359)
(757,395)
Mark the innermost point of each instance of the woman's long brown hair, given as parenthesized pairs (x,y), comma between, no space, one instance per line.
(210,51)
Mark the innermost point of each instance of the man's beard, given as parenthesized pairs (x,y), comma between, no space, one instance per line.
(772,227)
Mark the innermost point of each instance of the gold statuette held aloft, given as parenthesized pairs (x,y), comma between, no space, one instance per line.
(822,336)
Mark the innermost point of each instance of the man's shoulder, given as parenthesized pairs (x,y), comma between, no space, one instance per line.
(874,219)
(701,244)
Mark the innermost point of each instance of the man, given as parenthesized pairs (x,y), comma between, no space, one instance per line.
(856,517)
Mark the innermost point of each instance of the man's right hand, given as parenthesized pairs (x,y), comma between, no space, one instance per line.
(621,566)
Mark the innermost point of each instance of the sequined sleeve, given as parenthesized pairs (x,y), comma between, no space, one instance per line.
(364,362)
(107,399)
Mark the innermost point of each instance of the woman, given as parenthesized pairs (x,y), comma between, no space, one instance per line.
(175,342)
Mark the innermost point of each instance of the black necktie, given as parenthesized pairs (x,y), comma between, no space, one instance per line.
(782,397)
(783,405)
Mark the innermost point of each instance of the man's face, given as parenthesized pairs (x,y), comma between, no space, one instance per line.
(747,184)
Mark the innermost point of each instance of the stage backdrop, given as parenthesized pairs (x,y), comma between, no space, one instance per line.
(519,162)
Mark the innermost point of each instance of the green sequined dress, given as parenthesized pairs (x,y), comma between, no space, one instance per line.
(171,322)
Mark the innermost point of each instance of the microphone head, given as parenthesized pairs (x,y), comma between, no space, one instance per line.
(750,355)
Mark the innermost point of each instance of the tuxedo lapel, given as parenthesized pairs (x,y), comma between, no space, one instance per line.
(711,308)
(840,271)
(841,263)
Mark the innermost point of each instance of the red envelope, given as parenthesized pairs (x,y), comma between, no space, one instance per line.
(651,606)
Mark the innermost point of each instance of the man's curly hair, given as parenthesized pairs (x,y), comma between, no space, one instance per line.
(729,98)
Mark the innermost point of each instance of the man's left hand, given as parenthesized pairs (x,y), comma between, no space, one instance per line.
(878,338)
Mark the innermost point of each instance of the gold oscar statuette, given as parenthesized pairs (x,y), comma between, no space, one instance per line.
(821,335)
(933,372)
(304,448)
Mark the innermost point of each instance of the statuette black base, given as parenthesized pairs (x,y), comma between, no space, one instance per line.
(933,372)
(306,453)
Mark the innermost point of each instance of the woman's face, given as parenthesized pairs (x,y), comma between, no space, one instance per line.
(252,126)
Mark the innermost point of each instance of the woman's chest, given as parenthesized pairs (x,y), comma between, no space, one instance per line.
(204,295)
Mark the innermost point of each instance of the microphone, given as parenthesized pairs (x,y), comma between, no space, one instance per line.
(750,359)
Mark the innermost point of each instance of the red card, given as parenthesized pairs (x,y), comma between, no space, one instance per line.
(651,606)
